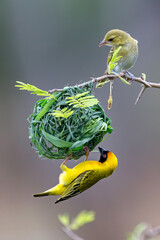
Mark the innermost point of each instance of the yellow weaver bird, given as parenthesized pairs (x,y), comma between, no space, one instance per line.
(73,181)
(128,52)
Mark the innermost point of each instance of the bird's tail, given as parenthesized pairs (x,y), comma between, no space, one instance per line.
(57,190)
(43,194)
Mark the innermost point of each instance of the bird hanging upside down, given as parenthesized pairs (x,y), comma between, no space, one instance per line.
(73,181)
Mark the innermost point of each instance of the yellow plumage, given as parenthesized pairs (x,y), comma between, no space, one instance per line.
(73,181)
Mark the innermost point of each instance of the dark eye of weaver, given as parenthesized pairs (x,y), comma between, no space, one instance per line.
(111,39)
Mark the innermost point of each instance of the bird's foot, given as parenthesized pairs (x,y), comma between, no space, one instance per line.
(86,149)
(130,75)
(67,158)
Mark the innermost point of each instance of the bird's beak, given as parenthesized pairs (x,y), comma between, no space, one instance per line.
(101,150)
(102,43)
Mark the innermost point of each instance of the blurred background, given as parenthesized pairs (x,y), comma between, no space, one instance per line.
(52,44)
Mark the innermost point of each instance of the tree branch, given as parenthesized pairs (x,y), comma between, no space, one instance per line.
(71,234)
(124,75)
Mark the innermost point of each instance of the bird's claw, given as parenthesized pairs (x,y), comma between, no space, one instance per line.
(130,75)
(67,158)
(87,152)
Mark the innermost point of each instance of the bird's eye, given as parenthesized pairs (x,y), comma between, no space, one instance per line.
(111,39)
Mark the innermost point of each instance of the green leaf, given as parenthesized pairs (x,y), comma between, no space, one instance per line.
(82,101)
(135,235)
(64,113)
(122,79)
(110,129)
(94,126)
(33,89)
(80,94)
(79,144)
(112,64)
(144,76)
(101,83)
(56,141)
(64,219)
(48,105)
(81,219)
(114,60)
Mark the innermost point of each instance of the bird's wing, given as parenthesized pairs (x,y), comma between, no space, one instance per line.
(84,181)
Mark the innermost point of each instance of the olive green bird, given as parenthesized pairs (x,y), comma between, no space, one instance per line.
(129,49)
(73,181)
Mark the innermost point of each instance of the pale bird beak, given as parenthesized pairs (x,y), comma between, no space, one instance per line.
(102,43)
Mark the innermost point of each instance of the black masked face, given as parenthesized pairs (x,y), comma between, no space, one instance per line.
(103,154)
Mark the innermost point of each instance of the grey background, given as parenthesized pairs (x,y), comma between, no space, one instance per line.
(52,44)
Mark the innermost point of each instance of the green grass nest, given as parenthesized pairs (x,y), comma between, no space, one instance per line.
(55,136)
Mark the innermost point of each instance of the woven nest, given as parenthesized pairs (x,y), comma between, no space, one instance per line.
(57,137)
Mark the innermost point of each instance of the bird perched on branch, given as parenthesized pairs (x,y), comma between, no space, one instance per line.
(129,49)
(73,181)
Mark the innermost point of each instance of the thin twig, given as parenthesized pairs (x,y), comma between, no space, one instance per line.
(150,232)
(124,75)
(71,234)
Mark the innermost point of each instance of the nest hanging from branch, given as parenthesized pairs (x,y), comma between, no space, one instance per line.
(64,124)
